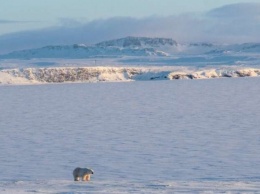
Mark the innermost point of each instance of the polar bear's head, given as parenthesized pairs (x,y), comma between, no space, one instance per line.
(89,171)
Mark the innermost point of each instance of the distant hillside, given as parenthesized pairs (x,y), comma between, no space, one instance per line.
(131,46)
(138,42)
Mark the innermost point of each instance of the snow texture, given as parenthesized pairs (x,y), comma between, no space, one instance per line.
(139,137)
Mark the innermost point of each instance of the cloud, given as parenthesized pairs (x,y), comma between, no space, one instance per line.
(6,21)
(240,10)
(13,21)
(235,23)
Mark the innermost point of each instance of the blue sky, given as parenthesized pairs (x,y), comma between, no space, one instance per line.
(34,23)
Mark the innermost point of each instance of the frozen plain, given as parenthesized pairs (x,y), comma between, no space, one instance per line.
(185,136)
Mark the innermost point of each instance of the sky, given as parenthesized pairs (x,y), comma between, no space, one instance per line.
(34,23)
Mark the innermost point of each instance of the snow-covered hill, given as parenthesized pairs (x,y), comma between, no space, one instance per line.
(133,47)
(129,46)
(138,42)
(82,51)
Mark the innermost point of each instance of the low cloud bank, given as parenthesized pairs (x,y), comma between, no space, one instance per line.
(236,23)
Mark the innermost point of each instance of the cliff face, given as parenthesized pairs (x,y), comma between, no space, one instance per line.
(115,74)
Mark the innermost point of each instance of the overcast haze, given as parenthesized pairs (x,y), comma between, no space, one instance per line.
(29,24)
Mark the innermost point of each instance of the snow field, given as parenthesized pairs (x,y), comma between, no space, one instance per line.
(139,137)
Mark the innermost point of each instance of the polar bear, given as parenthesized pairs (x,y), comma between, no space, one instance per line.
(83,173)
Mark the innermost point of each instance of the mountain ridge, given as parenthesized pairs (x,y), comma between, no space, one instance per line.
(131,46)
(131,41)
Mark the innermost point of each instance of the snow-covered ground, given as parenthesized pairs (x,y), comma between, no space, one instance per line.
(191,136)
(118,187)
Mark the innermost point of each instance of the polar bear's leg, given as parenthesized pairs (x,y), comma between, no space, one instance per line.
(86,177)
(76,174)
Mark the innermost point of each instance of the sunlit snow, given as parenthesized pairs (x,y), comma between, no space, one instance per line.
(189,136)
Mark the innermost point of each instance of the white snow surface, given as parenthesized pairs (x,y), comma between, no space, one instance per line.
(139,137)
(118,187)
